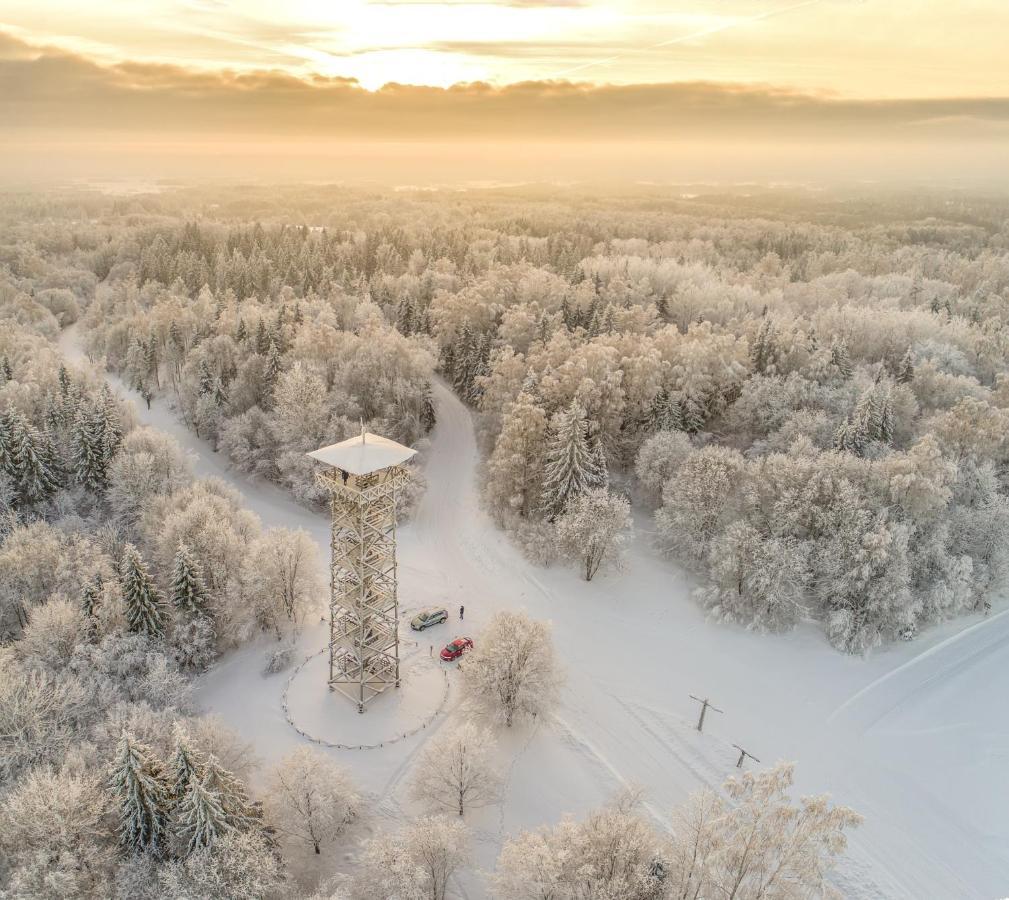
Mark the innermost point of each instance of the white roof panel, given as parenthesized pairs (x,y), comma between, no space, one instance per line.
(363,454)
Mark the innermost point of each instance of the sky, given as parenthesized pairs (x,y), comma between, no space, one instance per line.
(713,79)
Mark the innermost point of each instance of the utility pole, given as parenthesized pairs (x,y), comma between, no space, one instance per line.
(742,755)
(705,706)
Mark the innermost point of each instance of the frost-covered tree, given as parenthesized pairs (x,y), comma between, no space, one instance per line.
(37,473)
(188,590)
(237,866)
(89,452)
(281,576)
(698,500)
(659,459)
(756,842)
(513,671)
(140,792)
(757,580)
(612,855)
(185,764)
(515,469)
(230,792)
(593,528)
(415,863)
(456,771)
(572,465)
(141,599)
(39,716)
(311,799)
(54,836)
(200,816)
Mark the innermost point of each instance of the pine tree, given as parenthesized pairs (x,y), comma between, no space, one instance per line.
(692,414)
(64,379)
(185,764)
(665,413)
(262,338)
(840,358)
(9,440)
(272,369)
(140,792)
(206,378)
(90,597)
(144,613)
(764,349)
(189,590)
(37,480)
(220,393)
(88,451)
(241,333)
(201,817)
(428,417)
(5,370)
(572,467)
(905,370)
(235,803)
(109,423)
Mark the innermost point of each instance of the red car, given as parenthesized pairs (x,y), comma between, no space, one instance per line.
(456,648)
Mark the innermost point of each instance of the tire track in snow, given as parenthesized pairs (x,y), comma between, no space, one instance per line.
(988,636)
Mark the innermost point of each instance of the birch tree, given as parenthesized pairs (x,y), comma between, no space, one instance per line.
(512,672)
(456,772)
(311,798)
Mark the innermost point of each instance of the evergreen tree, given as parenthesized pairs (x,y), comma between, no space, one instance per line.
(185,764)
(262,338)
(37,479)
(88,451)
(840,358)
(238,810)
(241,333)
(9,462)
(206,377)
(572,467)
(189,590)
(200,815)
(144,613)
(428,417)
(109,424)
(764,348)
(905,370)
(90,597)
(140,793)
(692,414)
(665,413)
(5,370)
(272,369)
(64,379)
(220,393)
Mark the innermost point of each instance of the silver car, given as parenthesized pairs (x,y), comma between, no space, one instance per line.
(427,618)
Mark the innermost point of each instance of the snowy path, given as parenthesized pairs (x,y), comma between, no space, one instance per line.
(915,738)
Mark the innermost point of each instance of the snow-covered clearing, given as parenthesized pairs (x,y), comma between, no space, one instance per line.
(914,737)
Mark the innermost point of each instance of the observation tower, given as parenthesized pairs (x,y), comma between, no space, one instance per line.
(362,478)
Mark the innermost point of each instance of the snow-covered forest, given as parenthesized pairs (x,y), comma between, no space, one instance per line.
(801,399)
(812,400)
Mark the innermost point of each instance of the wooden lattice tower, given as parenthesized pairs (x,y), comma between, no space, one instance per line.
(363,477)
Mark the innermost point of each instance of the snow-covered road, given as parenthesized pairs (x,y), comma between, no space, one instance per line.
(915,737)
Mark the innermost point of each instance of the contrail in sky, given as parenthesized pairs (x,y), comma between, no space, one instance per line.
(694,35)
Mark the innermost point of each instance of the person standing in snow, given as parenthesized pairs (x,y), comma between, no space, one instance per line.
(462,609)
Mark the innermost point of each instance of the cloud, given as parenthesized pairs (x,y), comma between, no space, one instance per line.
(51,92)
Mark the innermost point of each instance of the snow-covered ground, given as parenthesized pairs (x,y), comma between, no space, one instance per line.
(914,737)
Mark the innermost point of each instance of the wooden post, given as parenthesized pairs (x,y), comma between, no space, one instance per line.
(705,705)
(742,755)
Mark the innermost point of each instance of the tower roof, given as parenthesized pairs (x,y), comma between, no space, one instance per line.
(363,454)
